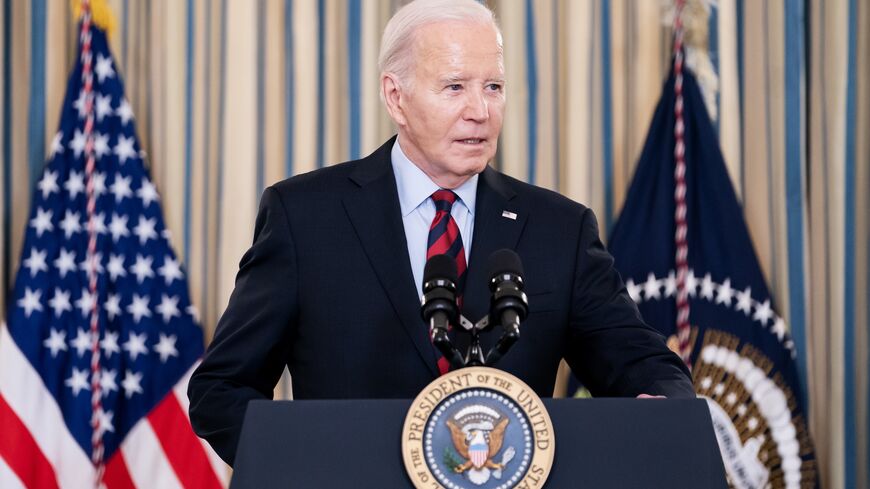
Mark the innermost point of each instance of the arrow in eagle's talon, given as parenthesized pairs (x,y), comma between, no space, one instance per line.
(506,457)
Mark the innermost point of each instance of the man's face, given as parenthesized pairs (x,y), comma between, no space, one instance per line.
(450,112)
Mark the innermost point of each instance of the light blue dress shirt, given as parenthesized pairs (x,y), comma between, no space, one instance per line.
(418,210)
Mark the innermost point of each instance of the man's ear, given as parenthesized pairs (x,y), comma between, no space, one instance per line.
(391,90)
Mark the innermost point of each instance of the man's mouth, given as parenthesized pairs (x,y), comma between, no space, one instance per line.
(471,141)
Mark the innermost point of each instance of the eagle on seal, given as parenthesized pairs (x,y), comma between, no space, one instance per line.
(477,447)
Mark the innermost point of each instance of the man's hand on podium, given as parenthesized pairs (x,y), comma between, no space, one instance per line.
(647,396)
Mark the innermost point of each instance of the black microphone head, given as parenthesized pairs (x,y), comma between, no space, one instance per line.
(504,261)
(440,267)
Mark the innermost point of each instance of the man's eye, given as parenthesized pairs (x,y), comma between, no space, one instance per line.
(454,87)
(495,87)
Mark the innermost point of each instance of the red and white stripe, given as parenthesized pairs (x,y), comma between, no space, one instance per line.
(37,450)
(682,246)
(478,457)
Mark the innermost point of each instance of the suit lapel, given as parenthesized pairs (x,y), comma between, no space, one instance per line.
(492,231)
(375,214)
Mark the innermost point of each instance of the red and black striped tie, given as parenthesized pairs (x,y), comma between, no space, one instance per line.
(444,239)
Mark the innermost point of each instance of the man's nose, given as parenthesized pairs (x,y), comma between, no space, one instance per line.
(476,107)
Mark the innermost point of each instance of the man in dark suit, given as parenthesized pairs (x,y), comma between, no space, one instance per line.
(331,285)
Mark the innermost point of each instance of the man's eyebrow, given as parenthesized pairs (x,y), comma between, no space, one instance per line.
(453,79)
(448,79)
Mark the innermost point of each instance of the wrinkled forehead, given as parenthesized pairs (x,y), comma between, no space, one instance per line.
(471,34)
(468,47)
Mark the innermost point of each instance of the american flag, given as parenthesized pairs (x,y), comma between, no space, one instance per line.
(78,409)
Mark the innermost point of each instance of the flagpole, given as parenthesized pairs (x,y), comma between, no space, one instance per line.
(680,236)
(97,448)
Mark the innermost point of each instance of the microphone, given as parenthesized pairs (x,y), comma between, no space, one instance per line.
(439,307)
(509,304)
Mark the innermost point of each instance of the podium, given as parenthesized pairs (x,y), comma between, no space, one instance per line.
(600,443)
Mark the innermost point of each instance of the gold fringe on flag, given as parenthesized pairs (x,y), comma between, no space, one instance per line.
(101,14)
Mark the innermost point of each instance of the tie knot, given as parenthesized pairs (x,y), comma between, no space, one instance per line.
(443,199)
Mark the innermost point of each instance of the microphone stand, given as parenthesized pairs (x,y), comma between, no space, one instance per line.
(475,357)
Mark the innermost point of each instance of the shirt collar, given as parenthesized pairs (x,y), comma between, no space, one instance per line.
(415,186)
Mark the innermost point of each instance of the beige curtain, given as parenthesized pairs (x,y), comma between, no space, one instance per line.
(231,96)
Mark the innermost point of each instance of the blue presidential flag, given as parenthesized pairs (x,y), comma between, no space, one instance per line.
(101,335)
(739,348)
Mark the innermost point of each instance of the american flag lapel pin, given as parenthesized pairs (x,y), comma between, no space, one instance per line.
(510,215)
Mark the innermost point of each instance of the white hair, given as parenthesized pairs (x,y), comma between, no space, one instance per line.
(397,42)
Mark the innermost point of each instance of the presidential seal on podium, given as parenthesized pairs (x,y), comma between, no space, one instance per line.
(478,428)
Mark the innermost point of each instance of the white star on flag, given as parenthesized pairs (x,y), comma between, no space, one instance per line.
(744,301)
(139,308)
(651,287)
(36,262)
(113,306)
(103,106)
(166,347)
(86,302)
(116,266)
(763,313)
(707,287)
(124,148)
(60,302)
(78,381)
(779,328)
(99,183)
(77,143)
(99,223)
(105,422)
(101,145)
(118,227)
(108,384)
(691,283)
(65,262)
(147,192)
(55,342)
(48,184)
(109,344)
(124,111)
(75,184)
(145,229)
(121,188)
(31,301)
(82,342)
(89,266)
(42,221)
(80,103)
(104,68)
(171,270)
(726,293)
(132,384)
(168,308)
(135,345)
(70,224)
(142,268)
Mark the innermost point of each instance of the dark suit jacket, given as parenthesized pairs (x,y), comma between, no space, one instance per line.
(327,289)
